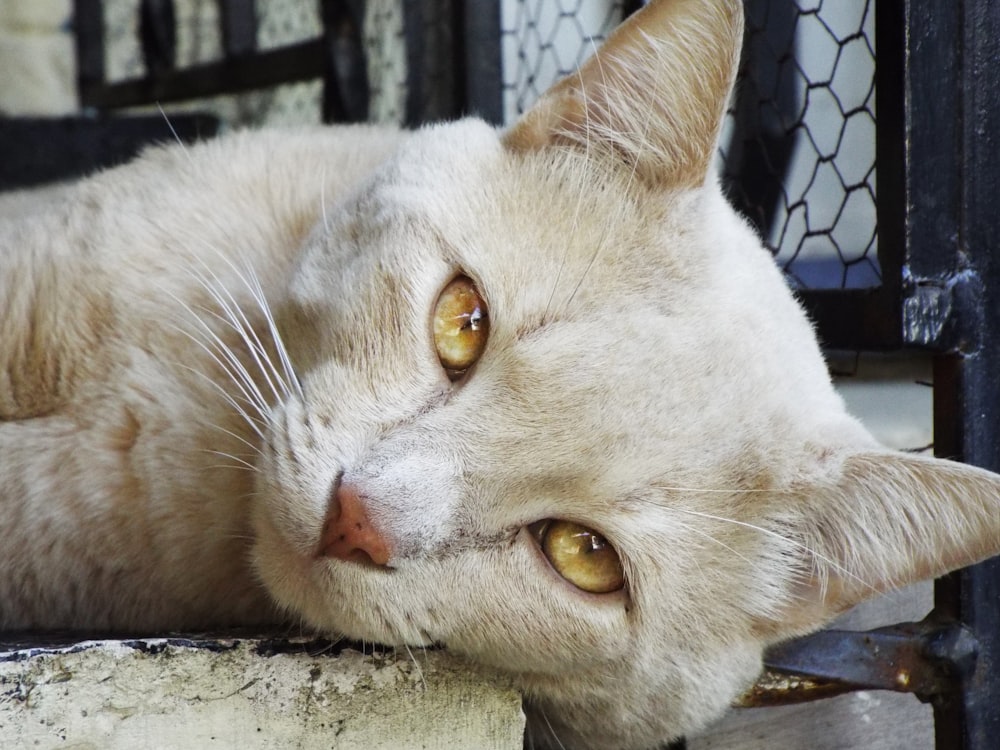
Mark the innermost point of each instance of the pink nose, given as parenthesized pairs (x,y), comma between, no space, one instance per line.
(348,534)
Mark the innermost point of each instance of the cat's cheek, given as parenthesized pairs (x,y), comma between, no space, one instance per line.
(517,615)
(284,574)
(293,482)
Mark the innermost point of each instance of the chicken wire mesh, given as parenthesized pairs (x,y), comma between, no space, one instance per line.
(541,41)
(798,149)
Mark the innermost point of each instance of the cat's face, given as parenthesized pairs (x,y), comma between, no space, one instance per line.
(604,497)
(630,383)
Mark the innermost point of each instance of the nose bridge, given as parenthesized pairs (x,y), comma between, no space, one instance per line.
(407,490)
(364,404)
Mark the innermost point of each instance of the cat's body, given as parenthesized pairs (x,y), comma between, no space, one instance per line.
(645,375)
(101,389)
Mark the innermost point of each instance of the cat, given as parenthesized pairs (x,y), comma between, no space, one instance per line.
(536,395)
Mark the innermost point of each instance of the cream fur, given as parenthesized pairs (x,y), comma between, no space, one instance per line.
(647,374)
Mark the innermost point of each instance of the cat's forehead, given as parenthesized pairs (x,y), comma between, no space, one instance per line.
(574,256)
(532,217)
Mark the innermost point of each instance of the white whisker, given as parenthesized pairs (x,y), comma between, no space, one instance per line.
(620,88)
(173,131)
(240,378)
(715,540)
(580,196)
(813,553)
(279,344)
(322,198)
(251,282)
(251,422)
(552,731)
(242,462)
(416,665)
(252,446)
(713,491)
(239,323)
(230,467)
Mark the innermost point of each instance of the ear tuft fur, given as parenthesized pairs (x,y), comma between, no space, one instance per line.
(662,120)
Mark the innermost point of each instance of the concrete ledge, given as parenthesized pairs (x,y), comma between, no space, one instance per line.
(247,693)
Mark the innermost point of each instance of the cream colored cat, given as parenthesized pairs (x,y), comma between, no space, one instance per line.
(538,396)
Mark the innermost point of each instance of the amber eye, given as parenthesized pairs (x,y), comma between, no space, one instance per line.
(461,326)
(580,555)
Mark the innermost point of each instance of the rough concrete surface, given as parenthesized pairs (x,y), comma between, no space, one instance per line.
(247,693)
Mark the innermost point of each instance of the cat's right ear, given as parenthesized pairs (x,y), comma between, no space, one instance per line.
(654,95)
(891,519)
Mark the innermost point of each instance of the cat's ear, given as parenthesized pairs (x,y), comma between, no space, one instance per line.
(892,519)
(654,94)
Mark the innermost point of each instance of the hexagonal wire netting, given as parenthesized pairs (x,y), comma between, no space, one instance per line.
(798,151)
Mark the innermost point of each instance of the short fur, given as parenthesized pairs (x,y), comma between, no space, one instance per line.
(196,346)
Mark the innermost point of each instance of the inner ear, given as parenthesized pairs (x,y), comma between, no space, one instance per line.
(654,95)
(889,520)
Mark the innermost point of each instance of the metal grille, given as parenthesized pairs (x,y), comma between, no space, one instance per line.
(197,39)
(800,160)
(541,41)
(798,152)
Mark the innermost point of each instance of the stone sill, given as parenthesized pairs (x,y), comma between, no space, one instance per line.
(247,693)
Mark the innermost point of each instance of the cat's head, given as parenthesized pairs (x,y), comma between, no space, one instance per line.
(560,413)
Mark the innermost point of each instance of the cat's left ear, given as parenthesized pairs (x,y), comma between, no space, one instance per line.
(891,519)
(653,95)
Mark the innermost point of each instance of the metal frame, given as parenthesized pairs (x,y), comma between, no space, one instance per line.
(453,59)
(967,406)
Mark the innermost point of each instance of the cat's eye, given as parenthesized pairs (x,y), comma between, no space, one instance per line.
(461,326)
(580,555)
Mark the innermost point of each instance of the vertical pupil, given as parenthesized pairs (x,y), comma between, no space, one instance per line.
(461,326)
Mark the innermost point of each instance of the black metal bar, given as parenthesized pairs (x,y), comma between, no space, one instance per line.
(631,6)
(761,148)
(967,411)
(432,89)
(934,310)
(345,77)
(483,63)
(158,35)
(297,62)
(927,658)
(88,26)
(890,162)
(34,151)
(413,36)
(239,26)
(854,319)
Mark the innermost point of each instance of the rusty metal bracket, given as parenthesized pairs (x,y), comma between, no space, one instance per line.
(929,659)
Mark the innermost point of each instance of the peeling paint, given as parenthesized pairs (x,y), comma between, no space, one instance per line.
(174,693)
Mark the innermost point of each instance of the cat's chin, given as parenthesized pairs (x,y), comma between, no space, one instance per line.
(635,706)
